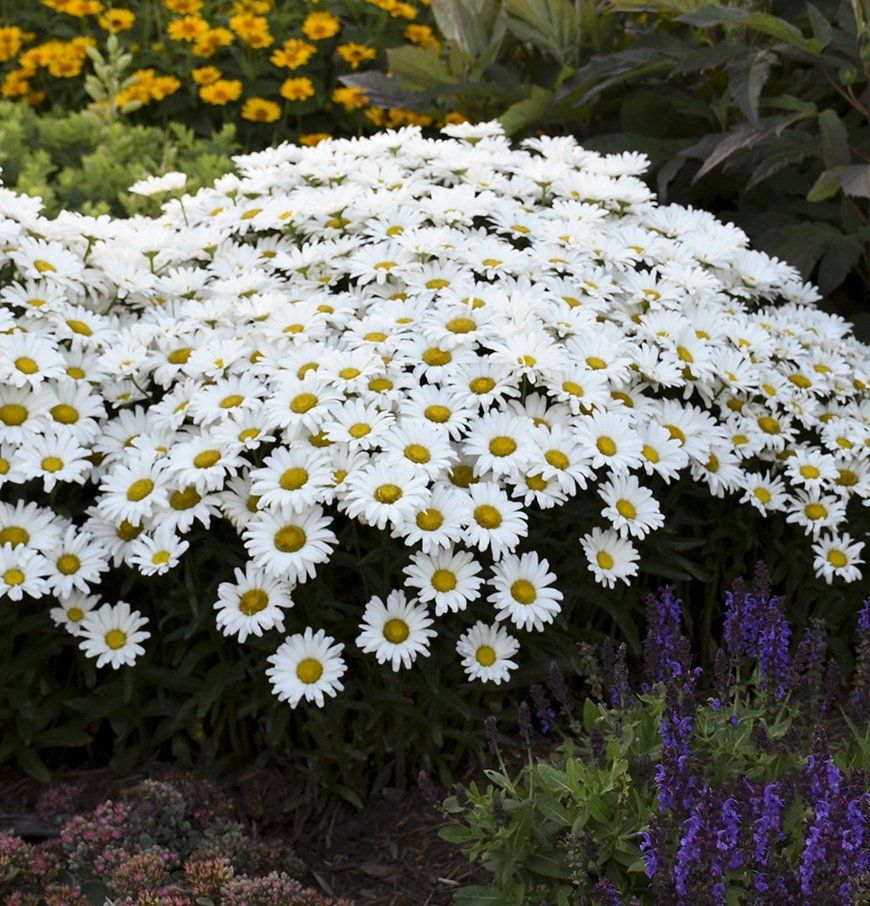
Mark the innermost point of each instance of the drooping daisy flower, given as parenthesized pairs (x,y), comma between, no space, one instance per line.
(252,604)
(610,557)
(72,610)
(113,635)
(486,652)
(838,557)
(307,666)
(396,631)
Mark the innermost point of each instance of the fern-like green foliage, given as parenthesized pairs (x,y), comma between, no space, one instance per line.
(79,162)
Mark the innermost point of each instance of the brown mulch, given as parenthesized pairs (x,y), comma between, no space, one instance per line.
(389,854)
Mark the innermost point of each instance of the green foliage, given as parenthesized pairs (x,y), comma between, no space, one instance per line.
(82,162)
(761,117)
(551,830)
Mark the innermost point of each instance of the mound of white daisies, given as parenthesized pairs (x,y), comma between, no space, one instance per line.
(433,337)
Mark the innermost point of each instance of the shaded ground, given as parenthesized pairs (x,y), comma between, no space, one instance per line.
(390,854)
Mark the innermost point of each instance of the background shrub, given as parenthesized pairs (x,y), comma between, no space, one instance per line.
(757,111)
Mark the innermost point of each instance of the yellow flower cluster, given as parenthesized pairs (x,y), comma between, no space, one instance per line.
(260,60)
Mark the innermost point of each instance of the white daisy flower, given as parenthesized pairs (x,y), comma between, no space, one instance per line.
(631,509)
(448,578)
(307,666)
(23,572)
(113,635)
(157,552)
(486,652)
(292,478)
(523,591)
(76,563)
(72,610)
(290,545)
(380,493)
(610,557)
(254,603)
(396,632)
(838,557)
(492,520)
(610,440)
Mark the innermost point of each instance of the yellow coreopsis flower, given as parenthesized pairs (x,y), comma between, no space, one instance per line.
(15,85)
(207,43)
(260,110)
(221,92)
(299,89)
(313,138)
(354,54)
(423,36)
(253,30)
(183,7)
(350,98)
(293,54)
(117,19)
(11,39)
(81,8)
(187,28)
(319,26)
(205,75)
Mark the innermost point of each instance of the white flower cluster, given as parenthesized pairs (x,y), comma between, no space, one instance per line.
(433,337)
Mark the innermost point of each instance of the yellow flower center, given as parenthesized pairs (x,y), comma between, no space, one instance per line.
(293,479)
(396,631)
(536,483)
(502,446)
(712,464)
(360,429)
(75,614)
(140,489)
(837,559)
(158,558)
(388,493)
(769,425)
(523,591)
(438,414)
(206,459)
(44,266)
(815,511)
(437,283)
(604,560)
(380,385)
(626,509)
(253,601)
(348,374)
(557,459)
(64,414)
(462,476)
(289,539)
(800,381)
(185,499)
(430,520)
(309,670)
(763,495)
(487,516)
(116,638)
(460,325)
(231,401)
(68,564)
(52,464)
(809,471)
(650,453)
(126,531)
(437,357)
(179,356)
(13,577)
(302,402)
(443,580)
(80,328)
(676,434)
(375,336)
(595,363)
(26,365)
(13,414)
(606,445)
(417,453)
(485,655)
(847,478)
(481,385)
